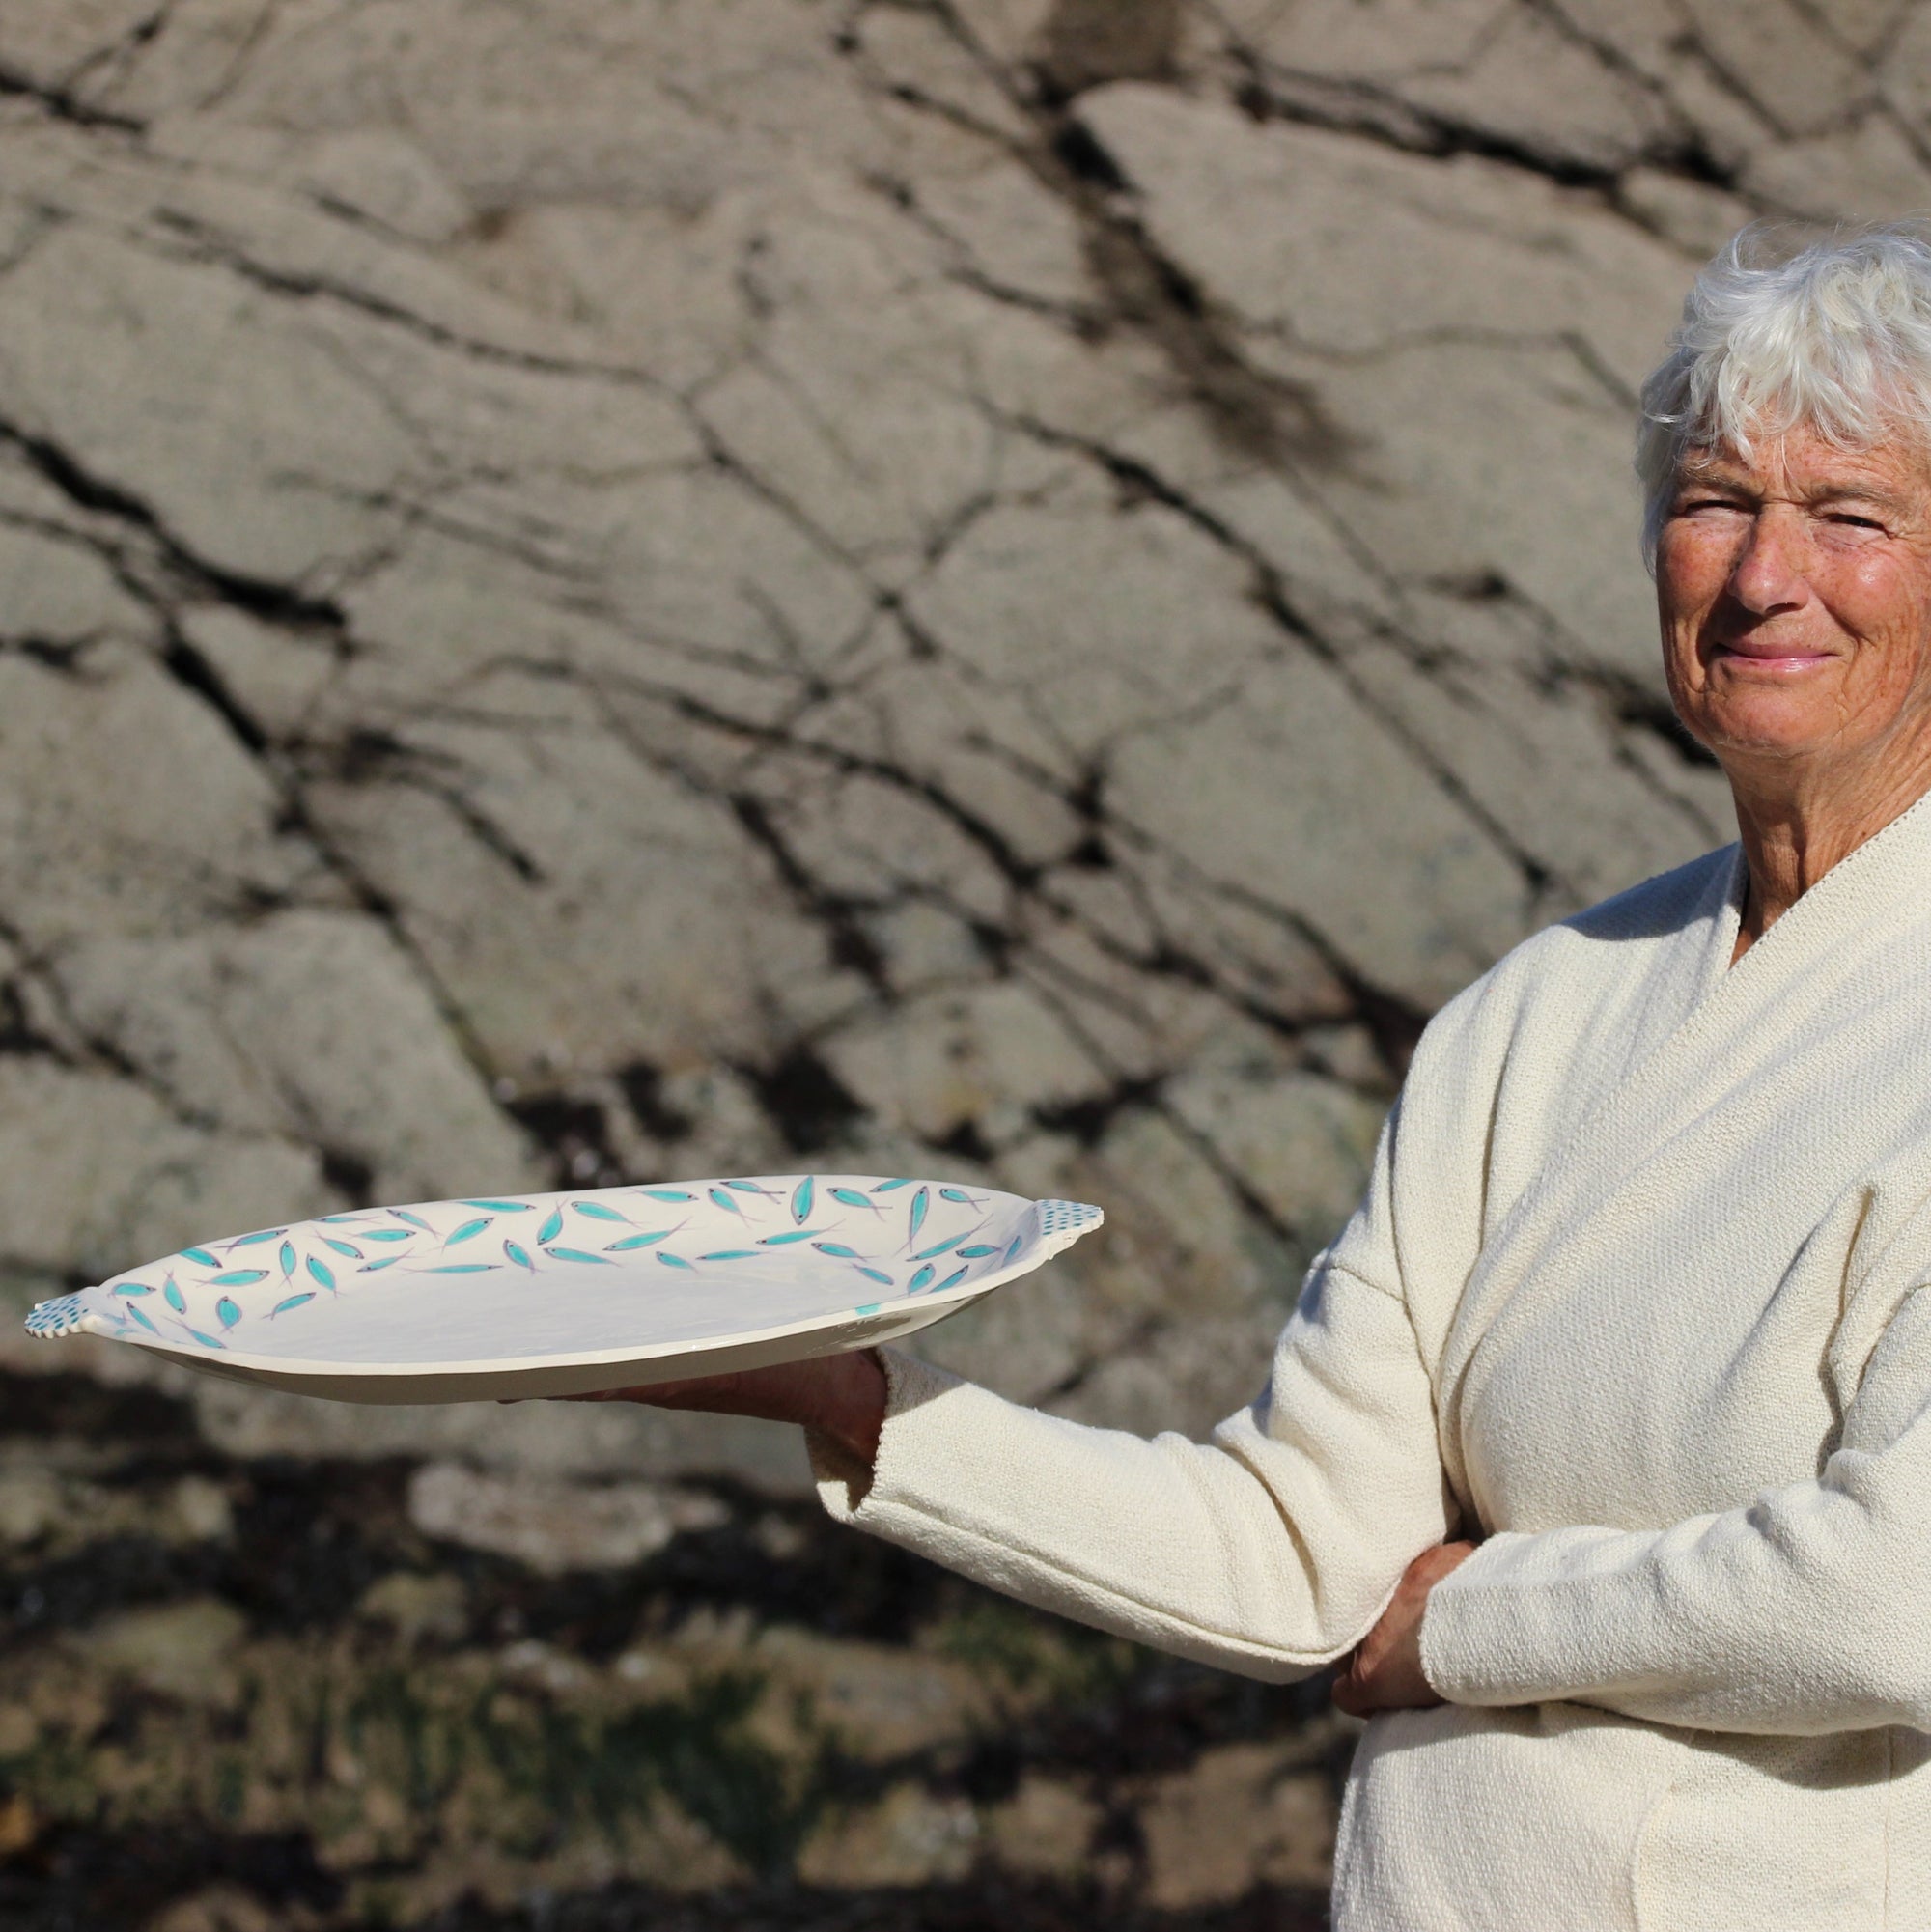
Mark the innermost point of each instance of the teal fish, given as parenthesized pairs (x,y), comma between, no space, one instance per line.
(921,1279)
(173,1296)
(731,1254)
(288,1259)
(462,1268)
(595,1211)
(519,1256)
(800,1200)
(631,1241)
(131,1288)
(779,1240)
(552,1227)
(319,1271)
(670,1260)
(342,1248)
(876,1275)
(500,1207)
(200,1256)
(256,1238)
(469,1230)
(226,1312)
(890,1186)
(236,1277)
(289,1301)
(836,1247)
(388,1234)
(666,1194)
(576,1254)
(916,1221)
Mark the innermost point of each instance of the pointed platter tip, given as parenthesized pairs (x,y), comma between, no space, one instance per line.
(61,1316)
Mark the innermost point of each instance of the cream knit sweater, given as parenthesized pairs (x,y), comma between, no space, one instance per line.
(1632,1296)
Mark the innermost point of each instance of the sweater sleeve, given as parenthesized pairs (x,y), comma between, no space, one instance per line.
(1269,1550)
(1803,1612)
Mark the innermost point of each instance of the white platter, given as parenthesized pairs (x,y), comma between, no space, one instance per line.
(530,1295)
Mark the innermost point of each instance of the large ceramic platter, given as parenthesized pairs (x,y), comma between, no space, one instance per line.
(562,1294)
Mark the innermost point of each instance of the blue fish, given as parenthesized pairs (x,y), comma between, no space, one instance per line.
(377,1267)
(404,1214)
(131,1288)
(289,1301)
(576,1254)
(940,1247)
(319,1271)
(254,1240)
(916,1221)
(173,1296)
(226,1312)
(1017,1243)
(731,1254)
(469,1230)
(519,1256)
(876,1275)
(853,1198)
(342,1248)
(597,1212)
(952,1280)
(666,1194)
(552,1227)
(462,1268)
(135,1310)
(719,1198)
(236,1277)
(388,1234)
(800,1201)
(836,1247)
(890,1186)
(206,1341)
(977,1252)
(200,1255)
(631,1241)
(921,1279)
(868,1308)
(670,1260)
(746,1187)
(288,1259)
(958,1195)
(500,1207)
(779,1240)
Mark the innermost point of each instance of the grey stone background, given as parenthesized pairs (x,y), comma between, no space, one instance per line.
(621,588)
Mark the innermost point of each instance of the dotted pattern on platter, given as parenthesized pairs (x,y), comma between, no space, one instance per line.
(204,1296)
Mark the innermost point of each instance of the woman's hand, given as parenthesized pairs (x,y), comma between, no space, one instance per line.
(1384,1672)
(842,1397)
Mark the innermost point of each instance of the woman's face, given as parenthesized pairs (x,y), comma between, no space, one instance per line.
(1795,594)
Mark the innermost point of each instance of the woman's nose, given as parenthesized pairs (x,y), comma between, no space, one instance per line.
(1769,575)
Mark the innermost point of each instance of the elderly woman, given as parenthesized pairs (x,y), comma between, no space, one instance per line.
(1598,1443)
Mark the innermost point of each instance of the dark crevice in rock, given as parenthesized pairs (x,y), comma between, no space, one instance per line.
(573,1130)
(809,1105)
(1089,1120)
(349,1175)
(64,105)
(210,246)
(642,1086)
(837,913)
(188,666)
(967,1142)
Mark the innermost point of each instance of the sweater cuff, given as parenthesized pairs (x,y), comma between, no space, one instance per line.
(1509,1626)
(847,1485)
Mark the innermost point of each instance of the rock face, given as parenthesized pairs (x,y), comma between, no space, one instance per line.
(1017,588)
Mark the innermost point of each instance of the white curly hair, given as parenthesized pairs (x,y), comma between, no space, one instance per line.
(1835,337)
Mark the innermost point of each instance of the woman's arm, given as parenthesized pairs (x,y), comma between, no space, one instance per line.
(1806,1611)
(1269,1549)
